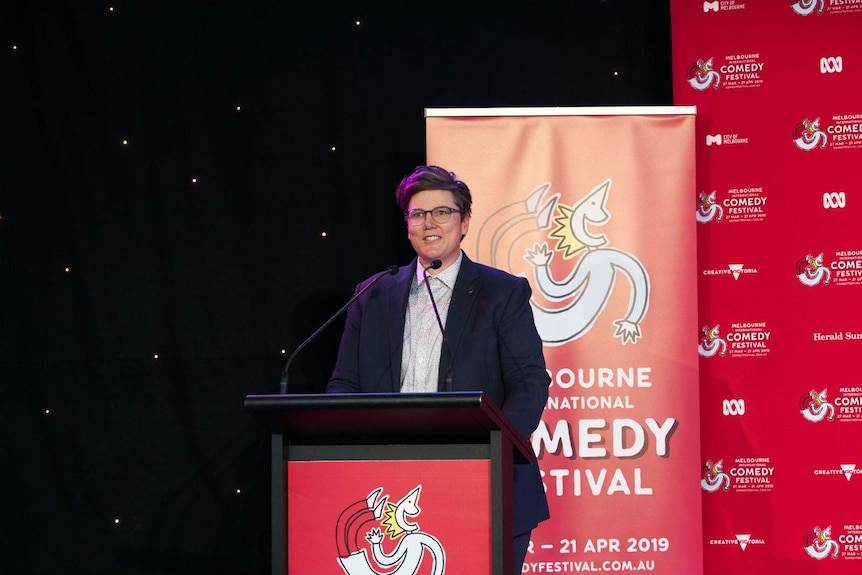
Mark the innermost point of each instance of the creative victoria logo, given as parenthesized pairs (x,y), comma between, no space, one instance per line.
(839,132)
(847,470)
(742,540)
(815,7)
(747,475)
(843,269)
(733,72)
(744,340)
(733,270)
(739,205)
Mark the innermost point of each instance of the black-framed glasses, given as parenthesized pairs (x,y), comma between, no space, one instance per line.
(440,215)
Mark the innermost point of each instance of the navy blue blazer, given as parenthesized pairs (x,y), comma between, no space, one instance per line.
(495,348)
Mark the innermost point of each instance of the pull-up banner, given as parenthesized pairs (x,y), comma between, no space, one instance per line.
(593,206)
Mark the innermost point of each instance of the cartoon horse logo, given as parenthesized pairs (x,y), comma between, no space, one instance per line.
(815,408)
(701,75)
(708,209)
(807,135)
(811,271)
(392,521)
(819,543)
(807,7)
(710,343)
(713,477)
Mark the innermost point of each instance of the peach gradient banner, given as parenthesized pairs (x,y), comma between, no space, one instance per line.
(593,206)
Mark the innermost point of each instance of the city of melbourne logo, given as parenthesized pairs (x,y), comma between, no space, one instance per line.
(723,6)
(726,139)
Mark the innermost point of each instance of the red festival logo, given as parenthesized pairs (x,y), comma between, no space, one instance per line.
(814,407)
(708,209)
(700,75)
(710,342)
(807,135)
(586,289)
(819,543)
(392,524)
(807,7)
(810,271)
(713,477)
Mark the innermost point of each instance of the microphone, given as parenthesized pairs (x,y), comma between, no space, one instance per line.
(284,374)
(448,379)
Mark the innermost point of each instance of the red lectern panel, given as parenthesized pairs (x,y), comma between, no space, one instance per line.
(389,516)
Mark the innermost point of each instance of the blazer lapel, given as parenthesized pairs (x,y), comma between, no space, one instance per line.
(464,294)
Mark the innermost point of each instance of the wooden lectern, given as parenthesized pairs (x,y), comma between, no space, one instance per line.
(364,482)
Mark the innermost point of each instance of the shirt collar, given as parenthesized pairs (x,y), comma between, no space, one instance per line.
(447,276)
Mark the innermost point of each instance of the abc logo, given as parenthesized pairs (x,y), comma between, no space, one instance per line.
(733,407)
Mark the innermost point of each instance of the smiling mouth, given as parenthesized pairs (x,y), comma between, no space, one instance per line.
(429,238)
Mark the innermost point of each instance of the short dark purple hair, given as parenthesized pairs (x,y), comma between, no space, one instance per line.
(433,178)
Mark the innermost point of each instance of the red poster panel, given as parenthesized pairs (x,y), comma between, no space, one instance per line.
(393,517)
(779,142)
(593,207)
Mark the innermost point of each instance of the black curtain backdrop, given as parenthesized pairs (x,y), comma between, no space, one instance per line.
(169,169)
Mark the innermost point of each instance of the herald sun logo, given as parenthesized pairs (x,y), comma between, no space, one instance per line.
(831,65)
(818,543)
(710,343)
(713,478)
(393,523)
(814,407)
(701,75)
(807,135)
(807,7)
(708,209)
(832,200)
(810,271)
(592,279)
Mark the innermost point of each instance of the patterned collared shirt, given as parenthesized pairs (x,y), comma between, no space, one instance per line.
(423,340)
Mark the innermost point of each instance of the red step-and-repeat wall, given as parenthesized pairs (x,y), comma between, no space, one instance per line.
(778,145)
